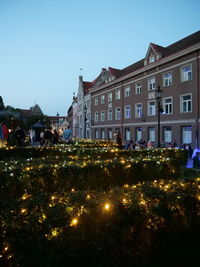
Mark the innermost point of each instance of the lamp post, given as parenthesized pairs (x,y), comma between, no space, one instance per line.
(85,120)
(159,110)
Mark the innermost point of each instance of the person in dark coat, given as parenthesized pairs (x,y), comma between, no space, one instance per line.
(56,137)
(19,136)
(48,136)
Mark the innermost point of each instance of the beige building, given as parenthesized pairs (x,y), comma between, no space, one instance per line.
(127,100)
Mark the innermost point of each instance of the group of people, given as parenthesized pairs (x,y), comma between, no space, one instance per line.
(49,136)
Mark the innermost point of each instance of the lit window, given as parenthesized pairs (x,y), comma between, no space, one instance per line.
(167,79)
(127,112)
(138,88)
(151,84)
(187,134)
(186,103)
(186,73)
(127,91)
(151,108)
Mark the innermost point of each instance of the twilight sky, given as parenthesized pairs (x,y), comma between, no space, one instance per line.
(44,43)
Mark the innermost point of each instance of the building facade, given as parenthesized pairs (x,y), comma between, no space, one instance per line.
(126,101)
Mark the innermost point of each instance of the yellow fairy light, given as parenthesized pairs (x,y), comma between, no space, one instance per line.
(25,196)
(74,222)
(53,197)
(6,248)
(23,210)
(88,197)
(126,185)
(27,168)
(107,206)
(124,201)
(73,190)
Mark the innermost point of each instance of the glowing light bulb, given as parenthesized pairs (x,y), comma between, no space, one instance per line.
(74,222)
(107,207)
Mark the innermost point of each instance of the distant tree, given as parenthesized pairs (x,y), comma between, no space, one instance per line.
(36,110)
(43,119)
(1,103)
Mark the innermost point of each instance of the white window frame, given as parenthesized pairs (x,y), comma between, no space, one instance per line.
(181,103)
(167,134)
(152,134)
(117,94)
(185,76)
(117,113)
(103,134)
(109,97)
(127,112)
(127,134)
(127,91)
(138,88)
(152,58)
(167,81)
(149,108)
(102,99)
(151,83)
(109,114)
(96,102)
(138,133)
(110,133)
(96,134)
(166,106)
(138,110)
(186,135)
(96,116)
(103,115)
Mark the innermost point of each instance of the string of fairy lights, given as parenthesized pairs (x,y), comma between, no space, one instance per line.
(106,202)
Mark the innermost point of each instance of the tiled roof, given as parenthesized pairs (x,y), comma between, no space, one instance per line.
(115,72)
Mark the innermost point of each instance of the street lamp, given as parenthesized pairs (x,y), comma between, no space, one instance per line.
(159,110)
(85,120)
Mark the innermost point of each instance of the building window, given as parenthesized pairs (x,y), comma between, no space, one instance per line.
(138,110)
(138,88)
(167,79)
(127,134)
(167,104)
(186,73)
(167,134)
(127,112)
(117,113)
(151,58)
(186,103)
(109,114)
(96,134)
(151,84)
(138,133)
(103,115)
(152,108)
(96,101)
(152,134)
(109,97)
(102,134)
(127,91)
(187,134)
(80,119)
(96,116)
(102,99)
(117,94)
(110,134)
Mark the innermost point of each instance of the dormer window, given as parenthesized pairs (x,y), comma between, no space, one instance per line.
(151,58)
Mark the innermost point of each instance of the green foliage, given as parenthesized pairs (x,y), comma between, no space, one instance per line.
(69,206)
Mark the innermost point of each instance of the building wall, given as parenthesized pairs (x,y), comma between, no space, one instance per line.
(177,120)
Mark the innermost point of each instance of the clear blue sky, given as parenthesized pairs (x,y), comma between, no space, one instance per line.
(44,43)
